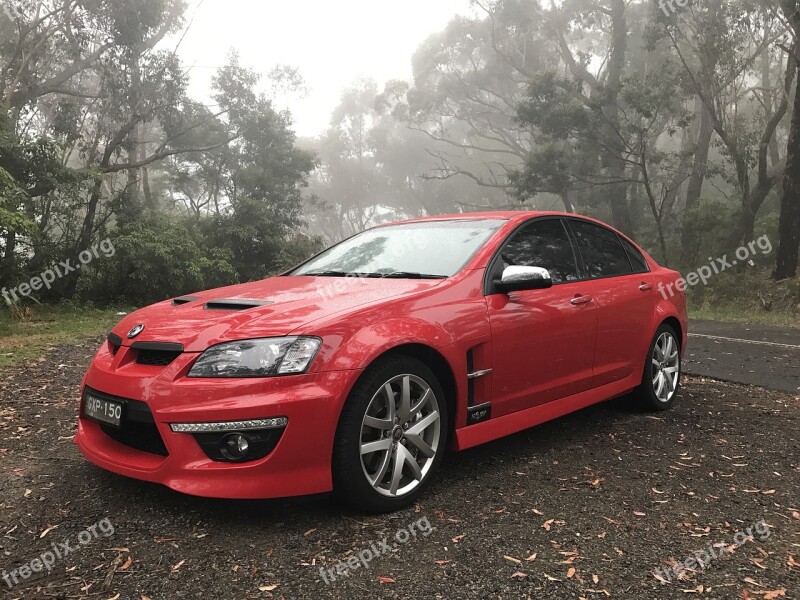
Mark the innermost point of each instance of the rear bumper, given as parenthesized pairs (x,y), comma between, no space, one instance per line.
(299,464)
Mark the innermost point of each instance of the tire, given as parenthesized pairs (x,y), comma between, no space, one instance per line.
(376,438)
(662,374)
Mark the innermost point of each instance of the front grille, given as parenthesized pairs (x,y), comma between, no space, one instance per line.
(157,354)
(138,429)
(156,358)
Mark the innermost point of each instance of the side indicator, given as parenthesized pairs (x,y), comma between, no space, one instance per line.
(477,414)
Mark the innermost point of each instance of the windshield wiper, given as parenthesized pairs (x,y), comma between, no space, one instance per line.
(404,275)
(376,275)
(327,274)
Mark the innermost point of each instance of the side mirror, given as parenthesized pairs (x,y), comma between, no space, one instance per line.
(517,278)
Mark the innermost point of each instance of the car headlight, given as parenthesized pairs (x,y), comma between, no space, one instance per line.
(257,358)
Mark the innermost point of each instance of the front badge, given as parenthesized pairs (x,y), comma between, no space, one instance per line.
(135,330)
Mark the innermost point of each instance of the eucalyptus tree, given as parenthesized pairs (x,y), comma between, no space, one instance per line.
(719,44)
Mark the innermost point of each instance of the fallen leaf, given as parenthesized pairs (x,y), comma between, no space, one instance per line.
(772,594)
(519,575)
(127,563)
(532,557)
(46,531)
(268,588)
(546,525)
(178,566)
(309,532)
(442,562)
(383,580)
(595,579)
(570,572)
(512,559)
(458,538)
(639,513)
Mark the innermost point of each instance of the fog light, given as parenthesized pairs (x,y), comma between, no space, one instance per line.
(234,446)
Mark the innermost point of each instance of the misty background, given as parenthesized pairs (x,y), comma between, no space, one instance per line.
(218,142)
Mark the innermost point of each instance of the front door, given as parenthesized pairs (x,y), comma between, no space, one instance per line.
(542,340)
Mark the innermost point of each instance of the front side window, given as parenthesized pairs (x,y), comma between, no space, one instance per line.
(602,252)
(433,249)
(544,244)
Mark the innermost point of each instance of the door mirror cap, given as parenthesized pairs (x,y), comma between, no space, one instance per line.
(517,278)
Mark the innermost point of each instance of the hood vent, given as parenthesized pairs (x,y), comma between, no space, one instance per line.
(235,304)
(183,300)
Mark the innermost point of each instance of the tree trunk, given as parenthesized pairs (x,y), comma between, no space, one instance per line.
(789,224)
(568,206)
(689,239)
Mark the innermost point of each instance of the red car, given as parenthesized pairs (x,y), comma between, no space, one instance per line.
(356,370)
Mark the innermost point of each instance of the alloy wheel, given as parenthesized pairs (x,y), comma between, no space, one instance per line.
(666,367)
(400,435)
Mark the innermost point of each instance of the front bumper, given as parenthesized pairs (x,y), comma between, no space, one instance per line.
(299,464)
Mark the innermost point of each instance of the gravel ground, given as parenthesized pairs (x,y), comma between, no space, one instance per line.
(602,503)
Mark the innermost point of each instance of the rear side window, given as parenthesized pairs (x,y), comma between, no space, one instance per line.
(543,244)
(602,252)
(638,262)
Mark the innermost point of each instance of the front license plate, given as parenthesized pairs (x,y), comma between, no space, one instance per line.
(100,409)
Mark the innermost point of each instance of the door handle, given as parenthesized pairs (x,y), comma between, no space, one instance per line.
(645,287)
(581,300)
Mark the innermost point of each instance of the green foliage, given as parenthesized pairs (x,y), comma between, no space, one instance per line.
(155,258)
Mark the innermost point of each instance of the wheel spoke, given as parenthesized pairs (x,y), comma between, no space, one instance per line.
(404,410)
(420,404)
(385,462)
(412,463)
(376,423)
(376,446)
(389,393)
(420,444)
(421,425)
(397,472)
(668,346)
(660,387)
(670,387)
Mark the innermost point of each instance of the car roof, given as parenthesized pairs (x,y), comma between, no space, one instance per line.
(505,215)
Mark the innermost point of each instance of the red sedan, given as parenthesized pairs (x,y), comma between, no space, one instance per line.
(356,370)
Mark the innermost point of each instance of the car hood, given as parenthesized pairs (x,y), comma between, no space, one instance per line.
(269,307)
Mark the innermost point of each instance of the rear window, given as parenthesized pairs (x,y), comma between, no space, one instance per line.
(638,262)
(602,252)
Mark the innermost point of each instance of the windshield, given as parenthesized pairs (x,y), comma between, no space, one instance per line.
(432,249)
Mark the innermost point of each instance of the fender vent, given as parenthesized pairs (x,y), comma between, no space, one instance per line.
(183,300)
(235,304)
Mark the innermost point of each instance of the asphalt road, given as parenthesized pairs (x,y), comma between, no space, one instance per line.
(761,355)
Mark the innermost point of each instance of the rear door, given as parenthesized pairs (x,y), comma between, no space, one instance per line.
(619,282)
(542,340)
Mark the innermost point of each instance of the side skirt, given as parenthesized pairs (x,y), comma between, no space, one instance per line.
(486,431)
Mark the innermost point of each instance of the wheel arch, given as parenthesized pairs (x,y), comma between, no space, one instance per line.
(676,325)
(437,362)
